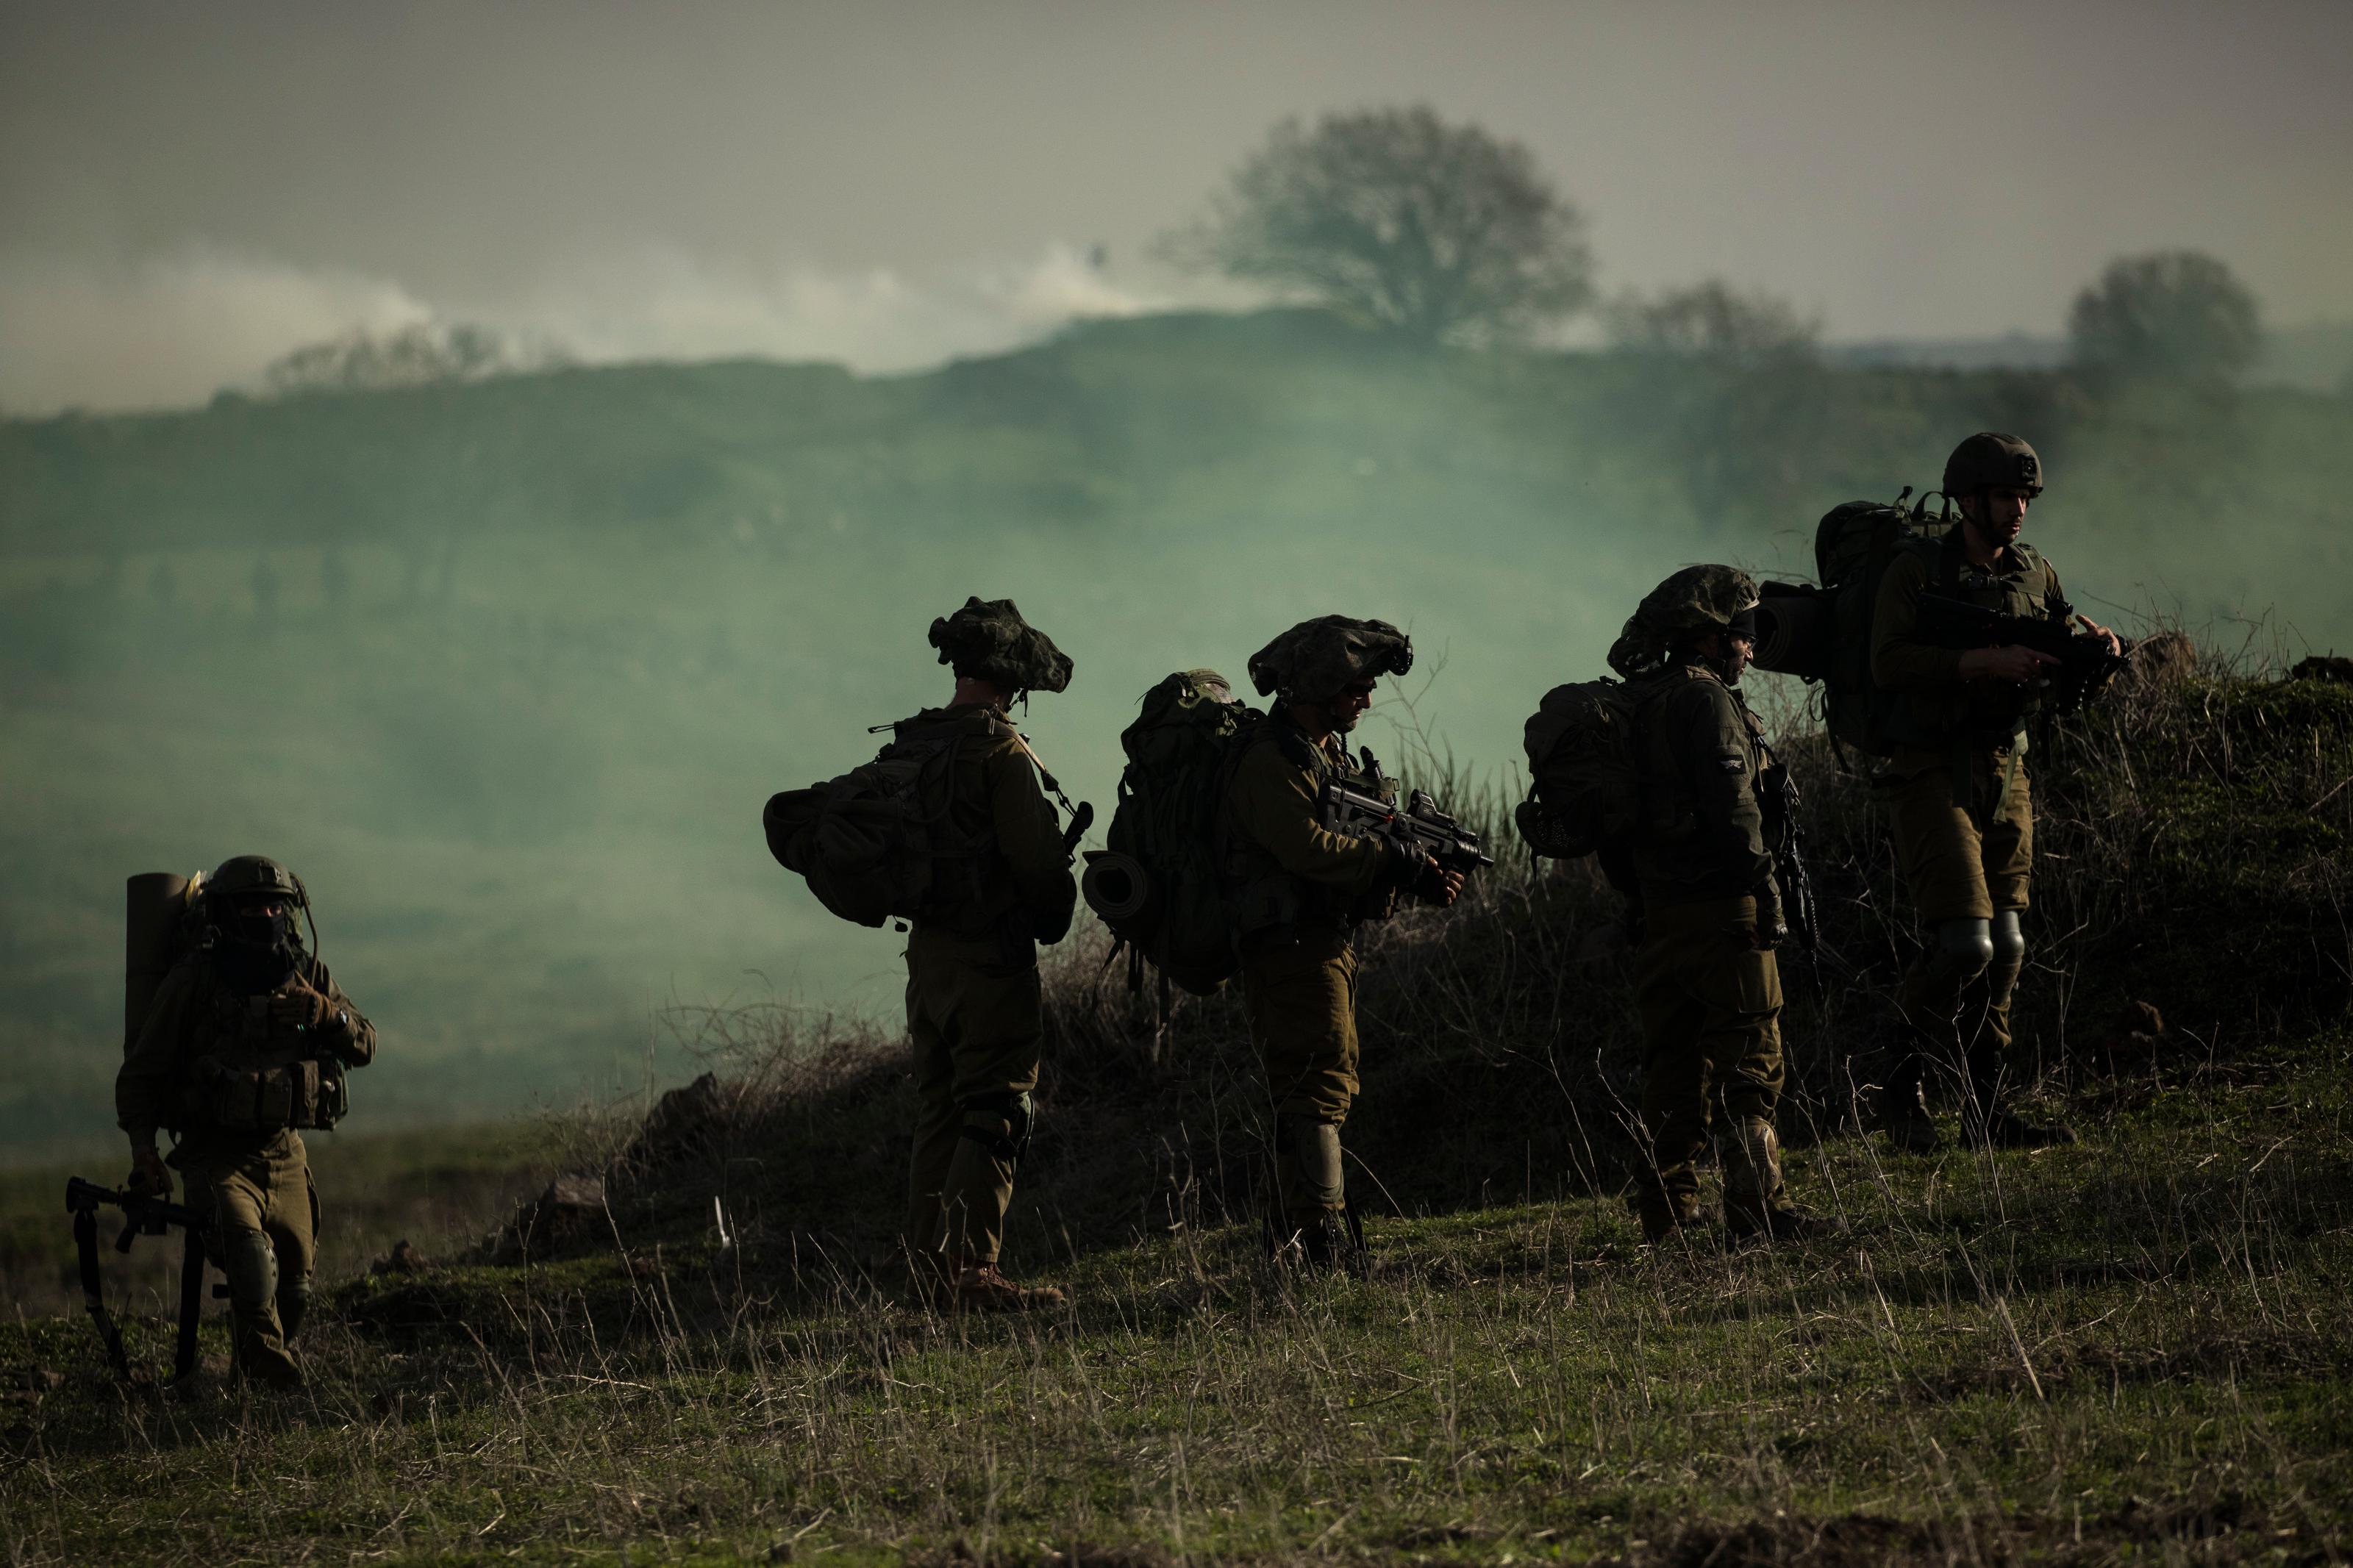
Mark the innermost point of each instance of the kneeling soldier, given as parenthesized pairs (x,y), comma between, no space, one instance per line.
(246,1042)
(974,1007)
(1709,987)
(1297,891)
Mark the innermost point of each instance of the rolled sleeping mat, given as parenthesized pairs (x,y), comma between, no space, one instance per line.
(1797,634)
(1116,887)
(155,919)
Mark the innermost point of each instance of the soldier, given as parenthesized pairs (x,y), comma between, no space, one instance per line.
(1707,983)
(1956,791)
(974,1011)
(245,1044)
(1297,892)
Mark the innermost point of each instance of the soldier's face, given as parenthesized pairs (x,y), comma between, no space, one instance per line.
(1351,705)
(1737,651)
(2000,515)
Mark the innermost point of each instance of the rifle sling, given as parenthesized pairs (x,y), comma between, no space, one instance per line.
(192,1302)
(93,1290)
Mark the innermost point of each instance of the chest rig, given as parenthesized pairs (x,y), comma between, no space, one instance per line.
(246,1073)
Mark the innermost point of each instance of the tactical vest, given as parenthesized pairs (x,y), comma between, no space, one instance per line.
(1979,713)
(248,1074)
(1261,898)
(1670,808)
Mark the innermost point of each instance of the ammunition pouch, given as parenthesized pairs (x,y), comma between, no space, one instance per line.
(308,1093)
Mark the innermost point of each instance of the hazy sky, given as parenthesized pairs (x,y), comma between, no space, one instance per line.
(187,191)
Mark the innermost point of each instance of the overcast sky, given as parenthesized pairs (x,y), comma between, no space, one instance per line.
(187,191)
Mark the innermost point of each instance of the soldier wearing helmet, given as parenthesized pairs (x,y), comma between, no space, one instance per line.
(1297,891)
(1707,983)
(1956,791)
(975,1018)
(246,1044)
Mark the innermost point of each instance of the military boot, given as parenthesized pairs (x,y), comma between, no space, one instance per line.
(979,1288)
(1754,1201)
(1664,1213)
(1902,1109)
(1331,1240)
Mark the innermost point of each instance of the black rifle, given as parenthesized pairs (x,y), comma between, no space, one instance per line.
(1420,828)
(1776,797)
(141,1215)
(2087,663)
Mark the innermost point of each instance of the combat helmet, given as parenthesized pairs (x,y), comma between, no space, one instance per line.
(241,875)
(988,640)
(225,895)
(1316,660)
(1991,460)
(1691,604)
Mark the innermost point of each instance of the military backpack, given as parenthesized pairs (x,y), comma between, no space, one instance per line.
(1584,767)
(1156,885)
(878,843)
(1853,544)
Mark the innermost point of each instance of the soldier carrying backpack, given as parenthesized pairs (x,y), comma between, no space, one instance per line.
(1968,628)
(1664,776)
(949,828)
(1297,887)
(237,1040)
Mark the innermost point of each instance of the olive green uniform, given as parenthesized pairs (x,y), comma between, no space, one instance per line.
(1957,798)
(1297,891)
(974,1011)
(1710,999)
(212,1063)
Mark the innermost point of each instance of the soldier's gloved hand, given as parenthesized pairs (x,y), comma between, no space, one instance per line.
(150,1177)
(300,1007)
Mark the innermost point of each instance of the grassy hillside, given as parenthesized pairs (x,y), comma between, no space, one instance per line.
(2130,1351)
(506,669)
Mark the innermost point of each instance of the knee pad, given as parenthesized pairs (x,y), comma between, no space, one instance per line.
(1311,1146)
(251,1265)
(2009,939)
(1000,1124)
(1964,948)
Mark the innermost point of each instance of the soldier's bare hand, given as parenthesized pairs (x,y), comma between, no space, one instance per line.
(2013,664)
(2115,644)
(1437,885)
(149,1174)
(298,1008)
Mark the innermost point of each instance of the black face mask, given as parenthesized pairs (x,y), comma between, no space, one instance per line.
(258,932)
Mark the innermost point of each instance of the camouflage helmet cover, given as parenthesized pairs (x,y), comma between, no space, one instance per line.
(1696,600)
(989,640)
(1316,660)
(1991,460)
(1693,602)
(241,875)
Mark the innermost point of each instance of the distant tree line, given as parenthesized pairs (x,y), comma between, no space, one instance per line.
(425,354)
(1444,233)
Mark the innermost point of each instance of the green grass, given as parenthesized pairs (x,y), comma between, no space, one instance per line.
(2136,1350)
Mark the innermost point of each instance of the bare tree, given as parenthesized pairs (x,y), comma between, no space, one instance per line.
(1712,320)
(2175,312)
(1393,215)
